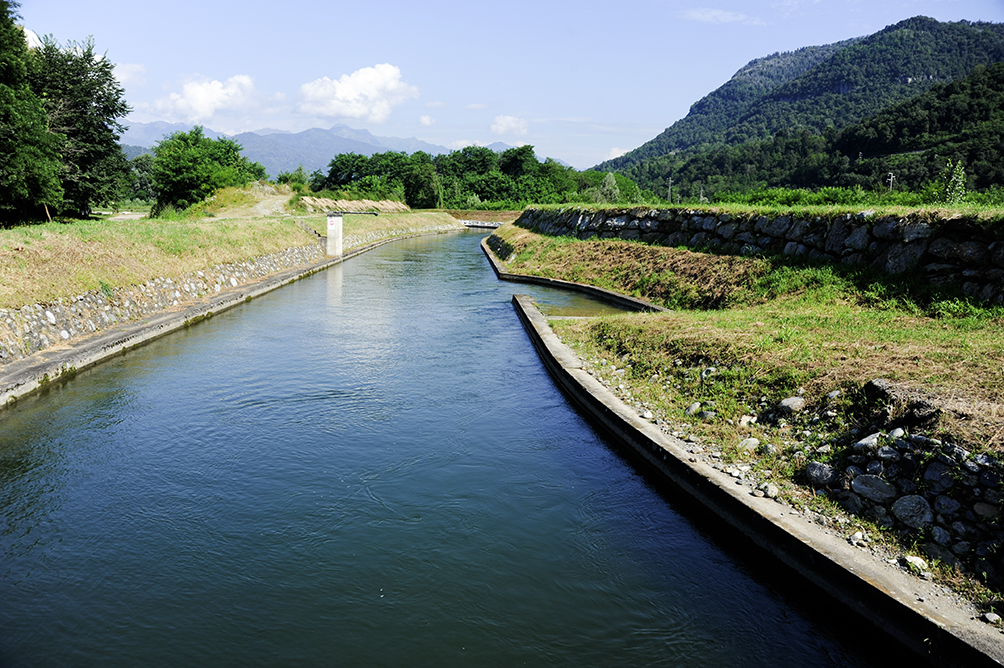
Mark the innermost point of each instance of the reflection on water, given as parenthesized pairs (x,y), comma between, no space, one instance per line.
(368,467)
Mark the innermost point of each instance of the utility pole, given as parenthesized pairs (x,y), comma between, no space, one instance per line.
(890,179)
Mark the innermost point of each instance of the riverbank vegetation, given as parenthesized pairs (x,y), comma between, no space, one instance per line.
(42,263)
(746,333)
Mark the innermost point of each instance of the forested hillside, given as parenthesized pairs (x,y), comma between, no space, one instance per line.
(856,80)
(962,121)
(710,117)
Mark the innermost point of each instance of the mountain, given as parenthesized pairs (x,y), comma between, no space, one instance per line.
(819,88)
(961,122)
(711,116)
(147,134)
(282,151)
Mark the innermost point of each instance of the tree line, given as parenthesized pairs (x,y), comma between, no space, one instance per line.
(474,177)
(59,127)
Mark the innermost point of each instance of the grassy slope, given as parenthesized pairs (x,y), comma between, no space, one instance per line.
(771,328)
(40,263)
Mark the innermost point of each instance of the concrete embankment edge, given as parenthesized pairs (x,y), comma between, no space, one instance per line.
(25,377)
(881,596)
(608,296)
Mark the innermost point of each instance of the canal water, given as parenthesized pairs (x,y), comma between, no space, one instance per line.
(368,467)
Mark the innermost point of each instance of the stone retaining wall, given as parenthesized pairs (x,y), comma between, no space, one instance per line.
(947,252)
(36,327)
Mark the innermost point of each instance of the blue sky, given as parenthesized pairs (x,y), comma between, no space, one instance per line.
(581,81)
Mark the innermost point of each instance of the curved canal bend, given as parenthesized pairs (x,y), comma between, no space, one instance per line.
(369,467)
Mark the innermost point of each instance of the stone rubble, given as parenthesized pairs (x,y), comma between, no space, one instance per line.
(30,329)
(943,496)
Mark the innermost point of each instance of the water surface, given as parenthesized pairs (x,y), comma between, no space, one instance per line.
(368,467)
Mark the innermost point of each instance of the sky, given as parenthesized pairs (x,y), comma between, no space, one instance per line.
(581,81)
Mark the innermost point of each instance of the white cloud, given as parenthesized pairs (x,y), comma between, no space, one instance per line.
(200,100)
(130,73)
(616,153)
(476,106)
(427,120)
(707,15)
(32,39)
(435,105)
(461,143)
(505,125)
(368,93)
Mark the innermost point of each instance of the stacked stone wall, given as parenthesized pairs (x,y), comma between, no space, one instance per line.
(947,252)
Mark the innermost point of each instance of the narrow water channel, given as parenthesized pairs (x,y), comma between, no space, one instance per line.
(369,467)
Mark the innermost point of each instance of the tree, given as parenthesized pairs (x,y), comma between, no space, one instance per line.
(189,167)
(29,152)
(83,101)
(141,180)
(609,192)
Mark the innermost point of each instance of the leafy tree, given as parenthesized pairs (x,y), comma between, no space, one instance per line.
(141,185)
(609,192)
(297,177)
(954,183)
(29,152)
(83,101)
(189,167)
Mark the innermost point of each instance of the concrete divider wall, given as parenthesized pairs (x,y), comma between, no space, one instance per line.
(956,251)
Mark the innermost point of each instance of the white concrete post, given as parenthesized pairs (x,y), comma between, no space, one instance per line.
(333,243)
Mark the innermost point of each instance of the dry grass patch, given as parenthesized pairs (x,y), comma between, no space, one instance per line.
(41,263)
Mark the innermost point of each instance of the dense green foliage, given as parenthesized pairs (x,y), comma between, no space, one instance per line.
(83,102)
(712,116)
(832,88)
(29,152)
(962,123)
(189,167)
(474,177)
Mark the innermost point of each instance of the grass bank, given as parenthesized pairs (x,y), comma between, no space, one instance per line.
(41,263)
(746,333)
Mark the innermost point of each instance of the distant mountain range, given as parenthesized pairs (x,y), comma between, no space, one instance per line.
(816,88)
(283,151)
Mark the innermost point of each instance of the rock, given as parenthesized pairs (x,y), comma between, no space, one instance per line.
(887,454)
(942,554)
(946,505)
(986,510)
(850,502)
(771,490)
(874,467)
(941,536)
(749,444)
(915,563)
(897,433)
(857,539)
(820,474)
(791,405)
(647,415)
(693,408)
(904,257)
(962,547)
(939,477)
(873,488)
(913,511)
(867,444)
(991,618)
(853,472)
(707,415)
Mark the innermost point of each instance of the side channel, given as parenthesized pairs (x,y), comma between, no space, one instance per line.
(369,467)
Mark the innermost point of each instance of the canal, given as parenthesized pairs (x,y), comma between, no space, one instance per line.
(369,467)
